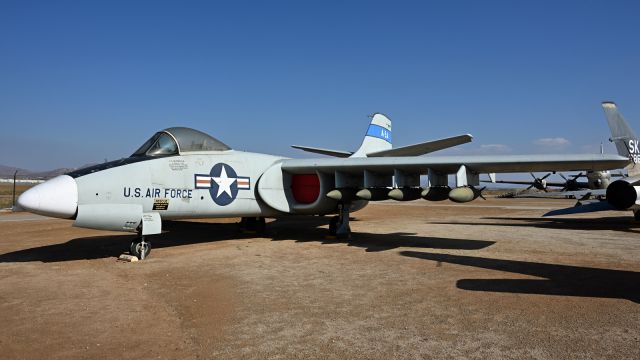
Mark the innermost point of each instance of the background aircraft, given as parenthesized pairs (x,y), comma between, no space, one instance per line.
(184,173)
(595,180)
(623,194)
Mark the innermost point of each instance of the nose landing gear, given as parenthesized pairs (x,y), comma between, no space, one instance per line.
(140,248)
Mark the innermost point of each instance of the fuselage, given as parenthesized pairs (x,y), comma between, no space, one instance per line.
(183,186)
(206,184)
(598,179)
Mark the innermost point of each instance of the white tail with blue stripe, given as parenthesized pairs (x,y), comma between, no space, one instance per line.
(378,137)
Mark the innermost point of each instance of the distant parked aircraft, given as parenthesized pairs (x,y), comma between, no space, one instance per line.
(622,194)
(595,180)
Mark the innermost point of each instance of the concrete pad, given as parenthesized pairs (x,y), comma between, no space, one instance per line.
(128,258)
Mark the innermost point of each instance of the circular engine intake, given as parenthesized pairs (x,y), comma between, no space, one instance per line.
(622,195)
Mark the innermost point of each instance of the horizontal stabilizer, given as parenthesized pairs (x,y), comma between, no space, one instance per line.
(334,153)
(591,207)
(425,147)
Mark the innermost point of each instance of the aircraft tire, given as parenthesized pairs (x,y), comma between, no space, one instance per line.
(135,248)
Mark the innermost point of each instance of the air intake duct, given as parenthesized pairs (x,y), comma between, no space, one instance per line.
(621,194)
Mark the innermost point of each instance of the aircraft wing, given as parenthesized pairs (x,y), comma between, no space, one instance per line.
(517,182)
(451,164)
(425,147)
(578,194)
(334,153)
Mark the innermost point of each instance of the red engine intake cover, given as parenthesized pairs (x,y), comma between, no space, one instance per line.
(305,188)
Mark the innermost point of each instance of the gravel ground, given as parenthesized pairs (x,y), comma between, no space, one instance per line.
(427,280)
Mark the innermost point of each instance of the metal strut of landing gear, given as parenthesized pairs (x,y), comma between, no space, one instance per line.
(339,225)
(140,248)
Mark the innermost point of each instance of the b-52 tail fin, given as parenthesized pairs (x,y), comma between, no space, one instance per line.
(623,136)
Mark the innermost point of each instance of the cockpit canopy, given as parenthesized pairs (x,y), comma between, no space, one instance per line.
(179,140)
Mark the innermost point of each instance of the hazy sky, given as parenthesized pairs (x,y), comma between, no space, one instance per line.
(88,80)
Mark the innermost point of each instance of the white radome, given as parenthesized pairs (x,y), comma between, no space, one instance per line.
(57,197)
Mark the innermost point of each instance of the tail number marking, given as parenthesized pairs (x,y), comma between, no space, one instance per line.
(634,151)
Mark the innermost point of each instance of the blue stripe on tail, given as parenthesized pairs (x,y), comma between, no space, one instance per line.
(379,132)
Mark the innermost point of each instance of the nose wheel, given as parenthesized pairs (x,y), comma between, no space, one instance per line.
(140,248)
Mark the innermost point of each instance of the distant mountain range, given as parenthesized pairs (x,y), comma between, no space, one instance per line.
(8,171)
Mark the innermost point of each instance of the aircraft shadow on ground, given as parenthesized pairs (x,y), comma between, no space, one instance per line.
(97,247)
(289,229)
(561,280)
(179,233)
(622,223)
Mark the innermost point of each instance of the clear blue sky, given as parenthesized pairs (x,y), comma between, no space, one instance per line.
(88,80)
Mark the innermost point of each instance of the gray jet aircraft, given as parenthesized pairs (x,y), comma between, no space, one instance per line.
(184,173)
(622,194)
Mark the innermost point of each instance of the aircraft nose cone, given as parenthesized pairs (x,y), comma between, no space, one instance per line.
(57,197)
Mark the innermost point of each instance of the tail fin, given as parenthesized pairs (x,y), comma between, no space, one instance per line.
(623,136)
(378,137)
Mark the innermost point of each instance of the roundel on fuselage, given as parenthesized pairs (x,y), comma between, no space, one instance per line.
(223,183)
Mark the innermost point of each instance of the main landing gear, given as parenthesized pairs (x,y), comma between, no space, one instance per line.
(140,248)
(339,225)
(253,224)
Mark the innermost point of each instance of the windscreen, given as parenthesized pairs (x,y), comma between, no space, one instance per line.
(160,144)
(191,140)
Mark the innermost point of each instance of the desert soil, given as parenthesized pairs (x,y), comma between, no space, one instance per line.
(491,279)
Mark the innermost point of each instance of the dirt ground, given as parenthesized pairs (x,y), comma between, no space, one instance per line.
(6,193)
(490,279)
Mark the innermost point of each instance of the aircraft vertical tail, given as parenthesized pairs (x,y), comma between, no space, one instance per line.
(378,136)
(623,136)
